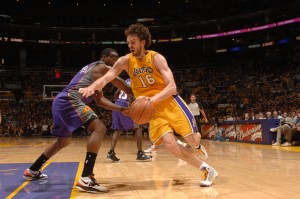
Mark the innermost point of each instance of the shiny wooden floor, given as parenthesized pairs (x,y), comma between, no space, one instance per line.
(245,170)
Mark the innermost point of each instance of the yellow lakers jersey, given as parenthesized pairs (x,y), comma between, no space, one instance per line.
(146,80)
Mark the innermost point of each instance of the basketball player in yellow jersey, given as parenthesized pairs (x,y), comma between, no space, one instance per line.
(152,79)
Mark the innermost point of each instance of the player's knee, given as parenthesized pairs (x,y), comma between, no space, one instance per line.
(199,135)
(63,142)
(97,127)
(194,139)
(168,146)
(100,129)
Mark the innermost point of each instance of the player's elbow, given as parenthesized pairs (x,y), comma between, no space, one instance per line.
(173,89)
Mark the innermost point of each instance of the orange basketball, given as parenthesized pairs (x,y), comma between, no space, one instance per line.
(141,111)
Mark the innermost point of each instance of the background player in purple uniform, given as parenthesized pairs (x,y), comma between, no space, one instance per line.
(70,111)
(122,123)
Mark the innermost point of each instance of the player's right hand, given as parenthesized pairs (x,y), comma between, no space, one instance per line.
(98,97)
(126,111)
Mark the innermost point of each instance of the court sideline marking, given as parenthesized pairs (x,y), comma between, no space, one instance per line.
(17,190)
(74,190)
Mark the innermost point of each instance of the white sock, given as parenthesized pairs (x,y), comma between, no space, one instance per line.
(179,142)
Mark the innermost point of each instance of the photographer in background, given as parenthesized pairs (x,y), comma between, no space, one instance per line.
(220,132)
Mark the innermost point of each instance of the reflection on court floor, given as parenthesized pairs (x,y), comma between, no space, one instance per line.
(245,171)
(61,177)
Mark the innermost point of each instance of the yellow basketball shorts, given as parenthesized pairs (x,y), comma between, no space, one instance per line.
(171,115)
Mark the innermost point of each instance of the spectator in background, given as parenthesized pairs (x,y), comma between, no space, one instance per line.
(45,131)
(276,115)
(285,123)
(247,117)
(230,118)
(291,132)
(252,115)
(269,115)
(293,115)
(220,132)
(261,116)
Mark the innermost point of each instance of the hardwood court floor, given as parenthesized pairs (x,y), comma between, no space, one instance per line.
(245,171)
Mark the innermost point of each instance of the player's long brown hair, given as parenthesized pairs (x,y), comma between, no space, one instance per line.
(141,31)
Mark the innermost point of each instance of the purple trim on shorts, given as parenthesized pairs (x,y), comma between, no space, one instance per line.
(186,112)
(65,118)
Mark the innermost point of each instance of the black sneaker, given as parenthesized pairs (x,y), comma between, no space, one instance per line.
(111,156)
(142,156)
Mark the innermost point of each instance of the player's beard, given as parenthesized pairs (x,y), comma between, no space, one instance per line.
(137,52)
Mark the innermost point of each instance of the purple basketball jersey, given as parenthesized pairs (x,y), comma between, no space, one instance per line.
(69,109)
(123,97)
(120,122)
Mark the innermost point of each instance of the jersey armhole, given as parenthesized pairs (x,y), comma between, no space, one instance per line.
(152,56)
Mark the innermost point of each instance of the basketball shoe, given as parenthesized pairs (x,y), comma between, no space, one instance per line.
(88,184)
(142,156)
(201,151)
(209,175)
(34,174)
(111,155)
(286,144)
(276,144)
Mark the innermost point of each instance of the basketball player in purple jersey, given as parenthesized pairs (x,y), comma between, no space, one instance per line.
(70,111)
(122,123)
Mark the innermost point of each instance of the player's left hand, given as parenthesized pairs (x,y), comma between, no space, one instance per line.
(86,92)
(145,97)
